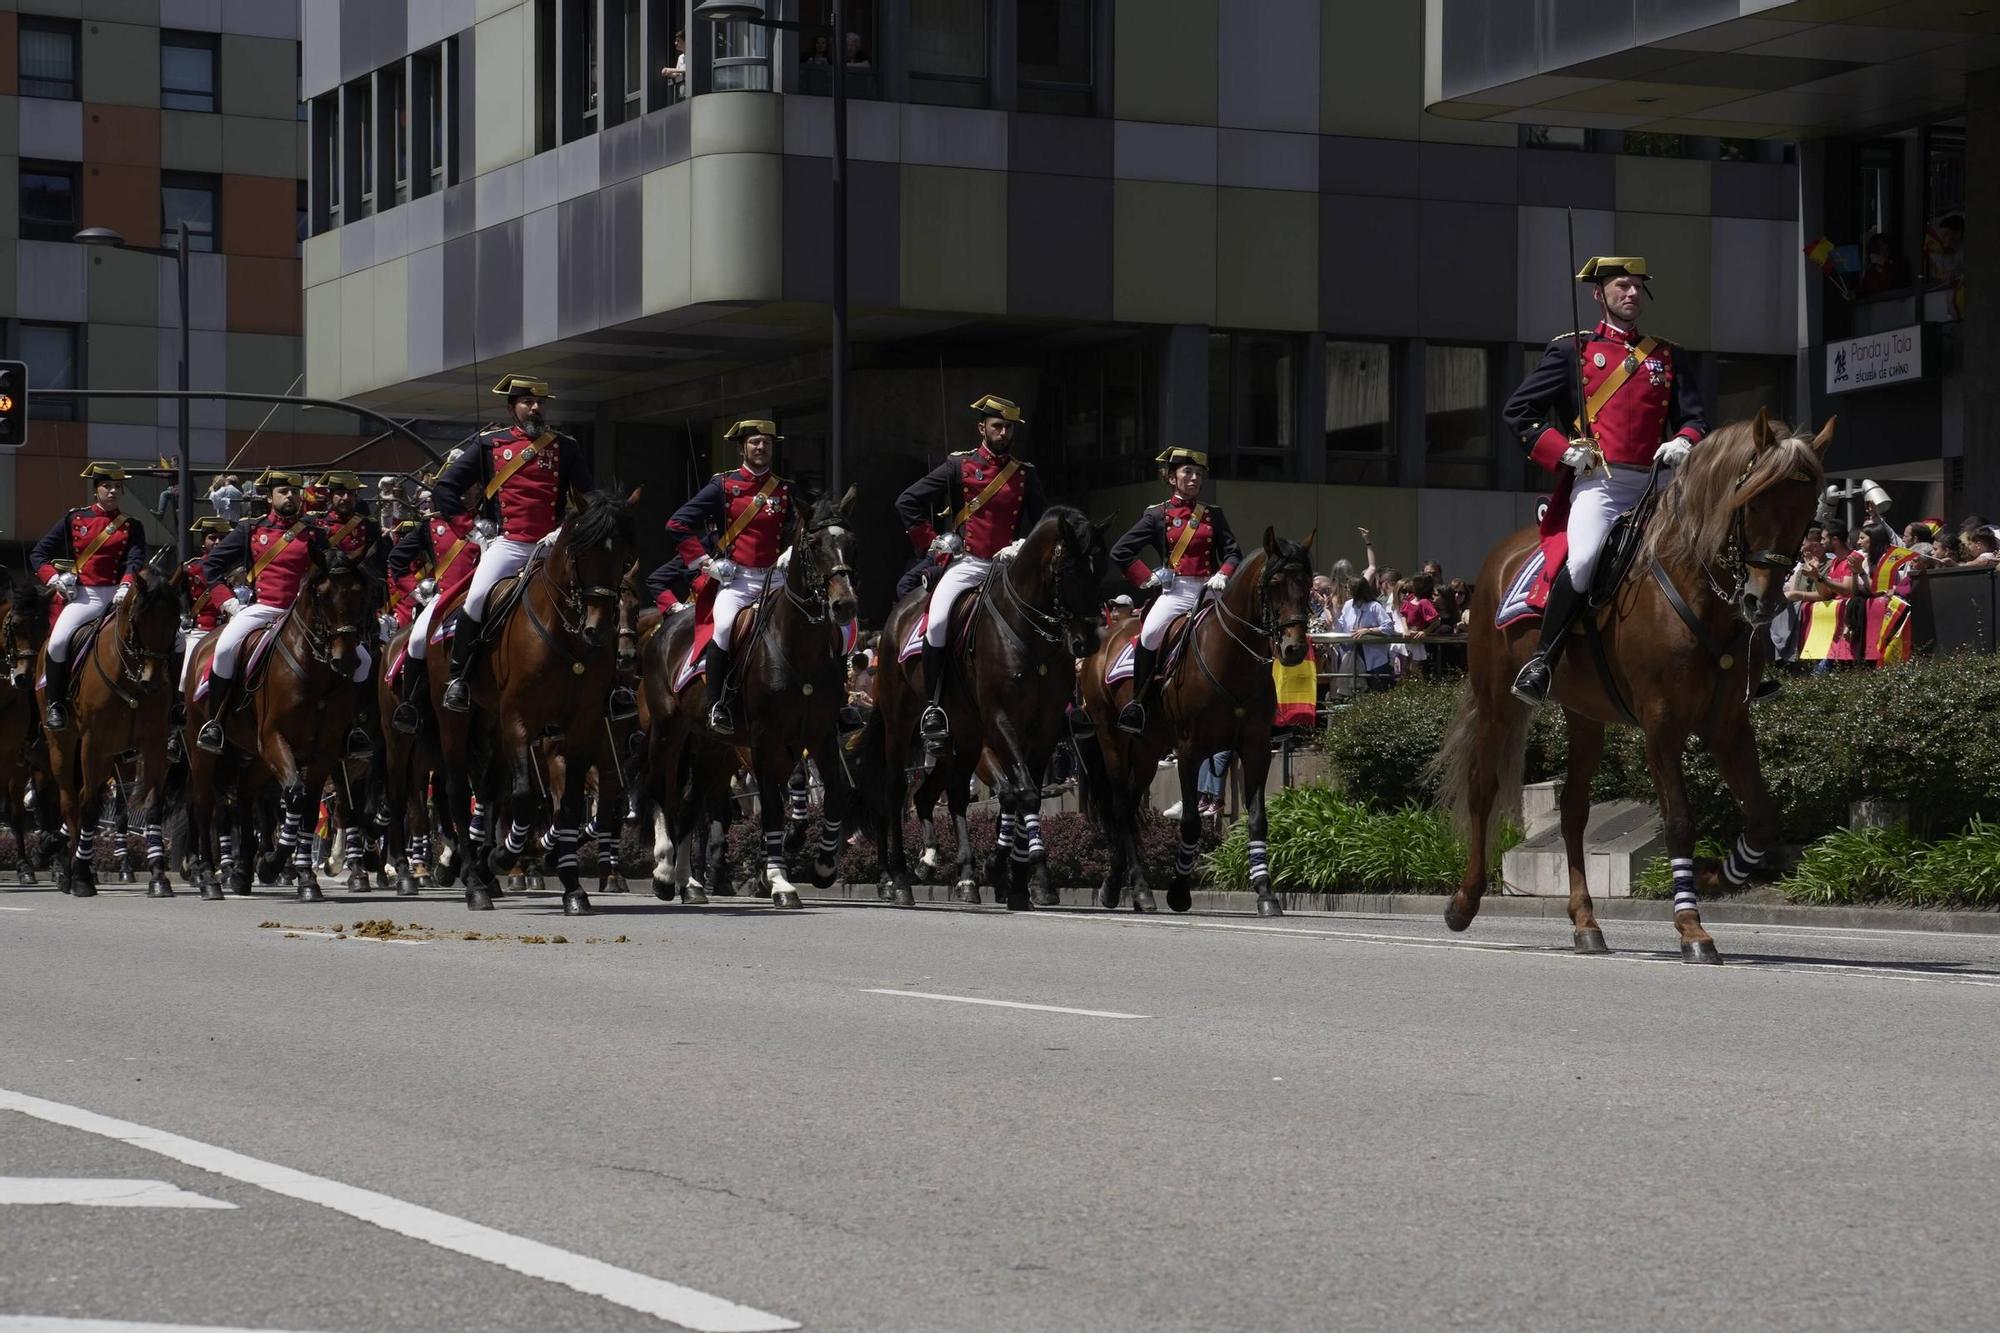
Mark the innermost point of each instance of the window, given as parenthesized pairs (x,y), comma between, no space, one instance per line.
(544,71)
(395,131)
(187,71)
(359,125)
(856,47)
(1878,190)
(1252,405)
(1743,384)
(48,201)
(742,57)
(51,351)
(1054,40)
(579,75)
(187,197)
(429,141)
(948,52)
(1360,440)
(632,61)
(326,161)
(48,58)
(1458,420)
(1554,136)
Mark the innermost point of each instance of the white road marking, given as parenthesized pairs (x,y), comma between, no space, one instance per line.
(665,1300)
(15,909)
(36,1323)
(101,1193)
(1002,1004)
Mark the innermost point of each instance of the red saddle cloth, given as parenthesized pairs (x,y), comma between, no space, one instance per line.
(1528,593)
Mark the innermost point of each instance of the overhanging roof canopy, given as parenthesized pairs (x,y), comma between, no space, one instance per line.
(1752,69)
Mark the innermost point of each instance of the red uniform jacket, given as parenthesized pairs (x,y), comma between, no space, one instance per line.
(116,559)
(959,480)
(529,506)
(720,504)
(1212,549)
(297,542)
(206,595)
(1658,398)
(353,536)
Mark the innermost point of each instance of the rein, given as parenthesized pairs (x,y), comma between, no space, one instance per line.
(132,656)
(1263,626)
(814,607)
(569,601)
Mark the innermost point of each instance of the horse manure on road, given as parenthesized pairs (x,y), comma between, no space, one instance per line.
(386,928)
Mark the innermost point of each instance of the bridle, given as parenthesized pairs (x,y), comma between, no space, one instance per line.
(816,603)
(1737,559)
(132,654)
(1060,626)
(1263,626)
(313,626)
(573,597)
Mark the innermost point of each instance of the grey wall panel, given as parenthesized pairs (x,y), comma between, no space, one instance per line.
(460,299)
(1059,145)
(1267,64)
(1472,297)
(264,18)
(581,265)
(461,210)
(666,137)
(1651,22)
(1547,271)
(874,232)
(1142,150)
(621,152)
(1572,31)
(540,182)
(1577,180)
(1468,172)
(541,277)
(1753,190)
(192,15)
(498,302)
(623,224)
(1059,246)
(499,194)
(322,48)
(1488,42)
(425,328)
(357,37)
(1267,160)
(1367,280)
(1753,286)
(1367,166)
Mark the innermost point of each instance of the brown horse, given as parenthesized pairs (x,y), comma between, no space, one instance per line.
(25,785)
(1711,569)
(124,693)
(1013,661)
(408,764)
(550,666)
(1219,697)
(793,672)
(288,727)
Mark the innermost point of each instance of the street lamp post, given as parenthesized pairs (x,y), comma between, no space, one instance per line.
(735,11)
(183,471)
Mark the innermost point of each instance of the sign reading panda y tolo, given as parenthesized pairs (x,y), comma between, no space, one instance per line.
(1890,357)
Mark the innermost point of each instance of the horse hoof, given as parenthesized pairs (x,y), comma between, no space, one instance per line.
(211,893)
(664,892)
(884,892)
(576,903)
(159,888)
(358,882)
(447,874)
(309,892)
(1270,907)
(1591,941)
(82,888)
(1045,897)
(1179,897)
(478,899)
(1107,897)
(693,896)
(614,884)
(787,900)
(1457,916)
(1699,951)
(406,887)
(823,877)
(1019,902)
(965,891)
(901,896)
(1143,901)
(240,886)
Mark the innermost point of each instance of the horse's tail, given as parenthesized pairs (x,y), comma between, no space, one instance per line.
(1095,781)
(1480,738)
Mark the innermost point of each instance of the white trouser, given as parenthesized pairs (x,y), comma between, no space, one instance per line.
(192,641)
(1594,505)
(961,575)
(502,558)
(1176,599)
(229,639)
(731,597)
(420,629)
(87,605)
(367,660)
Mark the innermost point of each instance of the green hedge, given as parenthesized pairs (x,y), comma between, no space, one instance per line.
(1852,867)
(1927,732)
(1323,843)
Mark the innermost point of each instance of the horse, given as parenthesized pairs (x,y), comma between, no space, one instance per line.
(281,730)
(409,764)
(1219,696)
(548,667)
(124,693)
(793,668)
(1013,655)
(24,775)
(1710,571)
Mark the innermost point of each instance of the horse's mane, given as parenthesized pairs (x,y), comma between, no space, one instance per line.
(603,518)
(149,587)
(1290,553)
(1700,503)
(825,513)
(1071,524)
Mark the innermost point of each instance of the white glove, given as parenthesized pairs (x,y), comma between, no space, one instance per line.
(231,607)
(243,592)
(1673,453)
(949,543)
(385,627)
(1217,582)
(550,540)
(679,607)
(1578,459)
(66,584)
(124,591)
(483,532)
(1161,578)
(1010,550)
(720,569)
(785,558)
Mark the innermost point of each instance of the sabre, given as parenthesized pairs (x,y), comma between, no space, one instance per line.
(1576,323)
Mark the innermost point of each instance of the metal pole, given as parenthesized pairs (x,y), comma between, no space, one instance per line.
(837,435)
(183,473)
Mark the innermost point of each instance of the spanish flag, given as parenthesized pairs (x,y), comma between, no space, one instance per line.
(1298,692)
(1821,253)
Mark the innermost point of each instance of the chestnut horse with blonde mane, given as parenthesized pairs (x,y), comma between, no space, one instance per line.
(1711,570)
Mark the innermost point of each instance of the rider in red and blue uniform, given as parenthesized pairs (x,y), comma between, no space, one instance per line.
(90,557)
(445,558)
(751,507)
(351,531)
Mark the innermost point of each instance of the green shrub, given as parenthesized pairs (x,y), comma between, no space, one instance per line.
(1322,842)
(1959,872)
(1854,866)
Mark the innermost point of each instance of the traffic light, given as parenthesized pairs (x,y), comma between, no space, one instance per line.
(13,404)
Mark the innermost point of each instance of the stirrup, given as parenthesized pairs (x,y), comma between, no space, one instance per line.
(1531,684)
(935,723)
(722,718)
(406,719)
(457,695)
(1132,718)
(623,704)
(55,717)
(359,746)
(209,738)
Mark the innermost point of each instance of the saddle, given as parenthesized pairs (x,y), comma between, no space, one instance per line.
(256,652)
(694,664)
(961,631)
(1528,595)
(500,604)
(1173,648)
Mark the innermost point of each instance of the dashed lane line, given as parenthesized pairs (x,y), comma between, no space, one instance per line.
(36,1323)
(1001,1004)
(101,1193)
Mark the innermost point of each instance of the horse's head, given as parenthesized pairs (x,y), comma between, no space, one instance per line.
(148,621)
(597,546)
(1284,595)
(632,600)
(1070,555)
(23,629)
(823,551)
(339,602)
(1739,509)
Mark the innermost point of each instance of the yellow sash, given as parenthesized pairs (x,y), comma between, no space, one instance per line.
(1614,381)
(284,543)
(978,502)
(103,535)
(527,455)
(339,534)
(437,570)
(742,520)
(1187,535)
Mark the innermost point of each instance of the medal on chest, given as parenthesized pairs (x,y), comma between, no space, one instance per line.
(1656,370)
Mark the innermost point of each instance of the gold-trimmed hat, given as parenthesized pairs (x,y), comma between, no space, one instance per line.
(338,481)
(214,523)
(1176,455)
(992,405)
(273,476)
(1603,268)
(522,386)
(753,426)
(97,471)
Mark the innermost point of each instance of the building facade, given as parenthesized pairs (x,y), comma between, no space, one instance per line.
(1231,224)
(131,115)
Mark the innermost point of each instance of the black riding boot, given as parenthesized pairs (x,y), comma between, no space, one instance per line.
(221,697)
(56,716)
(464,645)
(411,686)
(935,725)
(1531,686)
(721,690)
(1132,717)
(176,724)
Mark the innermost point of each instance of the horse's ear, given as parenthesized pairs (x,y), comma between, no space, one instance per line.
(846,505)
(1762,437)
(1307,544)
(1270,541)
(1101,525)
(1825,437)
(632,500)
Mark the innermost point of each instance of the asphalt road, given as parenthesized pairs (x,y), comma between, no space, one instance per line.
(1320,1122)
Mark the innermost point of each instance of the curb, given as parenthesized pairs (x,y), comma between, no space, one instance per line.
(1214,903)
